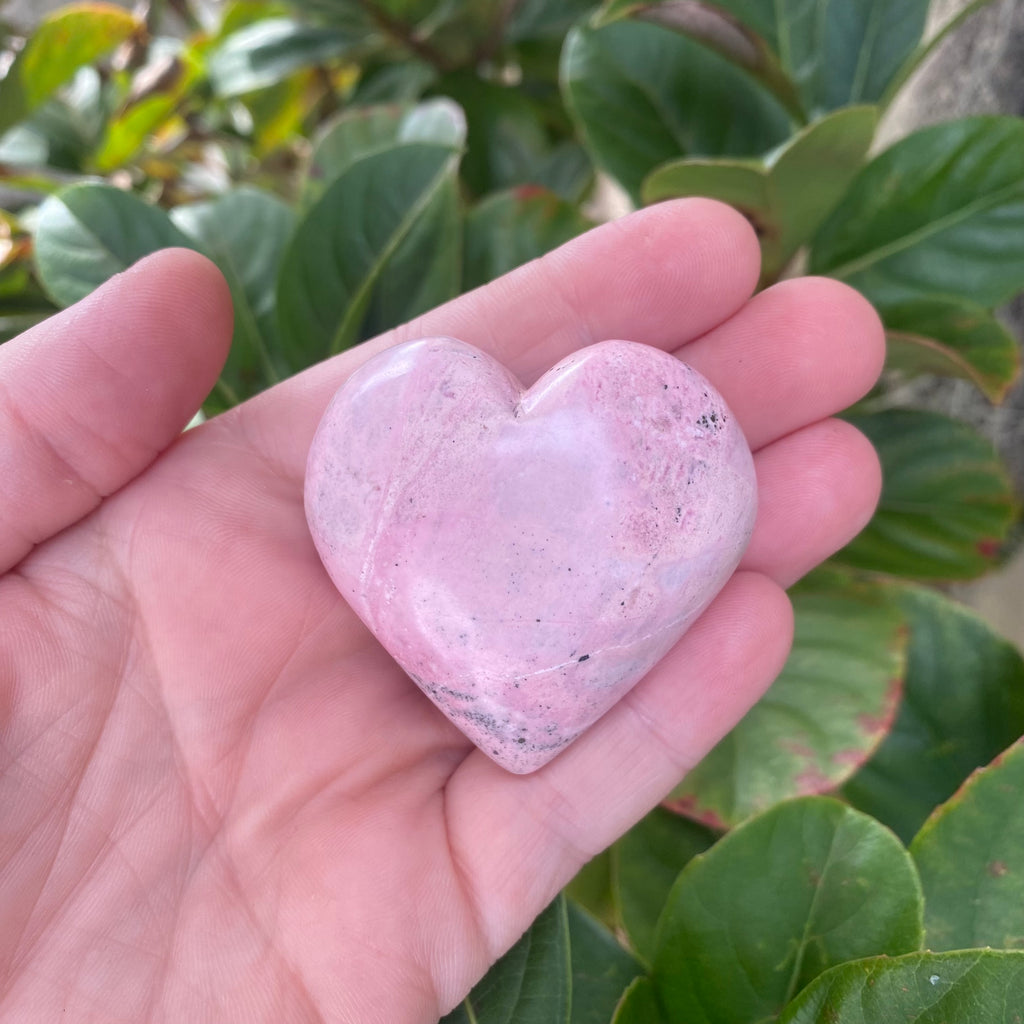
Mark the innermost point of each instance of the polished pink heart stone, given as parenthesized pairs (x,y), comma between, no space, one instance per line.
(527,556)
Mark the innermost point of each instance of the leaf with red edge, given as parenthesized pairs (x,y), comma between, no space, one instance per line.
(963,703)
(970,855)
(827,712)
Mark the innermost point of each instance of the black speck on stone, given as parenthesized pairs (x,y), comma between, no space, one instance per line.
(583,657)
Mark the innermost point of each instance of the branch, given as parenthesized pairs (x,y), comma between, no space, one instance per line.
(406,35)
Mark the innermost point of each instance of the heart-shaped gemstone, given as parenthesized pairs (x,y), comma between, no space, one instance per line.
(528,556)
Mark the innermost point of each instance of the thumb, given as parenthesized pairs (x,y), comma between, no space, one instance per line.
(90,397)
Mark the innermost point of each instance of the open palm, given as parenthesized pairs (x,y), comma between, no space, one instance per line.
(221,800)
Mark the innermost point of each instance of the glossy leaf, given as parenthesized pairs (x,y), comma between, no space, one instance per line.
(952,338)
(87,233)
(946,503)
(425,268)
(510,142)
(510,228)
(245,233)
(268,51)
(963,703)
(64,41)
(976,986)
(805,886)
(642,95)
(639,1005)
(825,714)
(816,55)
(346,240)
(970,855)
(531,983)
(645,863)
(939,213)
(601,969)
(360,131)
(786,195)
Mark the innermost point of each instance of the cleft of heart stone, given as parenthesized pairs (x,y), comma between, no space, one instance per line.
(527,556)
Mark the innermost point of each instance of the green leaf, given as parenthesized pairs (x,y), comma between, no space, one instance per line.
(87,233)
(533,19)
(639,1004)
(61,43)
(268,51)
(425,269)
(824,54)
(952,338)
(785,195)
(510,142)
(601,969)
(642,95)
(591,888)
(645,863)
(850,644)
(61,134)
(404,82)
(510,228)
(963,703)
(531,983)
(970,855)
(245,233)
(940,212)
(976,986)
(347,239)
(360,131)
(807,885)
(946,505)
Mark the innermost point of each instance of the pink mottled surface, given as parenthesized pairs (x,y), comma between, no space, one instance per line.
(527,557)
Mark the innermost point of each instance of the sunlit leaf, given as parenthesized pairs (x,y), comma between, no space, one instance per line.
(62,42)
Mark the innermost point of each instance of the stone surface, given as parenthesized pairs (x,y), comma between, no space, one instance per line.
(527,557)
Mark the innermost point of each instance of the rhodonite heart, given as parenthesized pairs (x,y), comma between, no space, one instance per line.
(527,556)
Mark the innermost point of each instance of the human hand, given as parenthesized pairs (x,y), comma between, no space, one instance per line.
(222,800)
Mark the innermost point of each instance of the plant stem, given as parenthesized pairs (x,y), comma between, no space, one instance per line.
(406,35)
(490,46)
